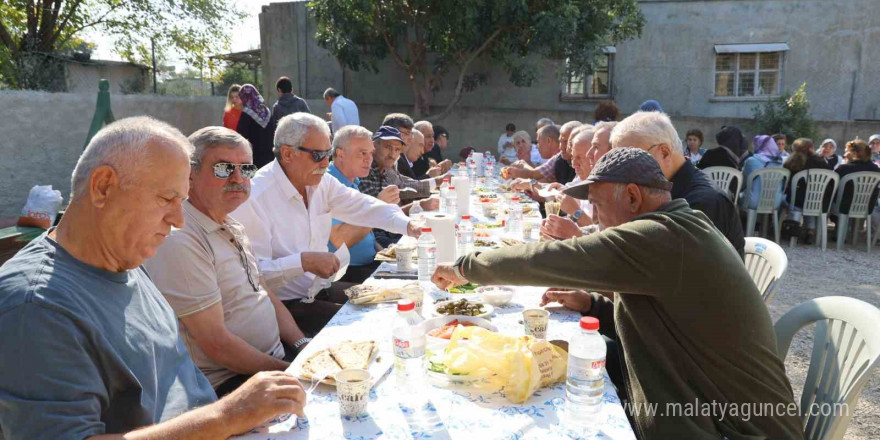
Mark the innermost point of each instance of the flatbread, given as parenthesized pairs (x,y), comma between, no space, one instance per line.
(351,354)
(320,364)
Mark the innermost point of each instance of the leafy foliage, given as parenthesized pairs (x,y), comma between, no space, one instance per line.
(788,114)
(430,39)
(42,29)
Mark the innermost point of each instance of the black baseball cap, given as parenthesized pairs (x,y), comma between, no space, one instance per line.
(623,165)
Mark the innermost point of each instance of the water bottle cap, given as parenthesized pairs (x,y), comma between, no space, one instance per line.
(465,217)
(446,179)
(514,198)
(426,230)
(405,305)
(588,323)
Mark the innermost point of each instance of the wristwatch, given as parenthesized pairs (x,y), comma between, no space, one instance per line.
(577,215)
(300,342)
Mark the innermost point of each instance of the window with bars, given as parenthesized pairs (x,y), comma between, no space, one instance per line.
(595,85)
(748,74)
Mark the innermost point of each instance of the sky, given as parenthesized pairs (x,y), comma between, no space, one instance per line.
(245,37)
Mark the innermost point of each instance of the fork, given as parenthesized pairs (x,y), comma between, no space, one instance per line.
(316,380)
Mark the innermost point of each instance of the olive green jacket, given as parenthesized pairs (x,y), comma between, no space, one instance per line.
(692,325)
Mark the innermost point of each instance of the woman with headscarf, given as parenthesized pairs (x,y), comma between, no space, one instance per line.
(828,152)
(803,158)
(767,155)
(732,150)
(254,124)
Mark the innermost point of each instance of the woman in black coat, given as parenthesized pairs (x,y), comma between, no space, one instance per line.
(254,124)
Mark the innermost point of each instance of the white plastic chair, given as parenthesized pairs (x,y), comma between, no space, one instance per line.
(846,348)
(772,182)
(817,181)
(864,183)
(722,176)
(766,263)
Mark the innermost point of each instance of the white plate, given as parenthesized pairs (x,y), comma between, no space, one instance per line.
(487,309)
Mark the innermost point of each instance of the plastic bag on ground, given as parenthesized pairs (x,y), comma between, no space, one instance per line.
(41,208)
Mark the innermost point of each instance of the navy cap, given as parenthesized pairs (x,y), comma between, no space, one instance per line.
(388,132)
(623,165)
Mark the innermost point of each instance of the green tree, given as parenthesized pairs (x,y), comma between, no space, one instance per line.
(430,39)
(33,31)
(788,114)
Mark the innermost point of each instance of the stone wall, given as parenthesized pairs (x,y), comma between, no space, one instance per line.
(43,134)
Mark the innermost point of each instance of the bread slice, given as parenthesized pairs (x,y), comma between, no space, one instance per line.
(350,354)
(320,364)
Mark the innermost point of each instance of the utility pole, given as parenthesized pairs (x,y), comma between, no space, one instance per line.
(153,50)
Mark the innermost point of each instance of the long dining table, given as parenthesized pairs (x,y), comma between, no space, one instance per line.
(453,411)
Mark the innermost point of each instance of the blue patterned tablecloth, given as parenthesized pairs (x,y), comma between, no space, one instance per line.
(459,413)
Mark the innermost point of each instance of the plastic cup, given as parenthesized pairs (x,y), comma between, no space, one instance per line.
(405,259)
(535,322)
(353,391)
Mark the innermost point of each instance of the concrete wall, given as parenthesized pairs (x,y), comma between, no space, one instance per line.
(42,139)
(83,78)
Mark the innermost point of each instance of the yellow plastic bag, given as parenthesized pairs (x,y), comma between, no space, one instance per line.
(514,365)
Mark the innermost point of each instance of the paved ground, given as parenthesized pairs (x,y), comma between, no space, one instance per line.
(812,274)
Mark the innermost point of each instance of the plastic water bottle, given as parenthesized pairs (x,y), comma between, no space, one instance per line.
(451,202)
(415,212)
(472,171)
(408,339)
(427,249)
(514,218)
(464,232)
(444,194)
(586,367)
(490,167)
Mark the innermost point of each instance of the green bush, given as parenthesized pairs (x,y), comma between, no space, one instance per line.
(788,114)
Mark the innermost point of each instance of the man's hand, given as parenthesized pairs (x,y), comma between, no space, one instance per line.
(444,277)
(430,204)
(265,395)
(445,166)
(523,185)
(389,194)
(434,172)
(322,264)
(414,229)
(577,300)
(570,204)
(519,164)
(560,227)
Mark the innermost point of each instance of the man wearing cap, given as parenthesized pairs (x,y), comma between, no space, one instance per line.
(874,143)
(288,220)
(383,172)
(681,345)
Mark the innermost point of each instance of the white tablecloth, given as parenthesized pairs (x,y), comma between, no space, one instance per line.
(451,413)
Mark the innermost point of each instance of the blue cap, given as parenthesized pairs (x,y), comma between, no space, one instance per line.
(388,132)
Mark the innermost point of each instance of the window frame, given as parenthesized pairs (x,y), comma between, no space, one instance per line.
(778,48)
(587,80)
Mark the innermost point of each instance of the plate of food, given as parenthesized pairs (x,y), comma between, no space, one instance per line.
(389,254)
(493,225)
(373,294)
(324,362)
(463,307)
(464,288)
(484,243)
(507,241)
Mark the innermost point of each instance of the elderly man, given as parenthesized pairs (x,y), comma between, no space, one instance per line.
(289,216)
(601,142)
(425,163)
(680,344)
(388,146)
(580,212)
(232,326)
(343,111)
(90,347)
(654,133)
(384,173)
(352,156)
(549,147)
(441,143)
(874,143)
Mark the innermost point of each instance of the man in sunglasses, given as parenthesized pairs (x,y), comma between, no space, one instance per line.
(288,220)
(232,325)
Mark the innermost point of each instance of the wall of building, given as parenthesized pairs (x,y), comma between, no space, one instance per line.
(83,78)
(833,49)
(44,136)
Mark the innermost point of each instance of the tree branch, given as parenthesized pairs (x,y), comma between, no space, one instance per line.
(462,73)
(66,19)
(31,25)
(7,40)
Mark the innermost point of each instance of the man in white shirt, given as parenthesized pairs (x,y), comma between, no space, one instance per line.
(288,219)
(343,111)
(506,149)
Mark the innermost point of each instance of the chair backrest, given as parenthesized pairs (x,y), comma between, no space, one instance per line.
(772,182)
(722,176)
(766,262)
(864,183)
(846,347)
(817,181)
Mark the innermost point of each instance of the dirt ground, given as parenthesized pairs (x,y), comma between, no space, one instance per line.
(812,274)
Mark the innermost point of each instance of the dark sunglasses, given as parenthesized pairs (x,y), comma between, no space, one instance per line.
(317,155)
(224,170)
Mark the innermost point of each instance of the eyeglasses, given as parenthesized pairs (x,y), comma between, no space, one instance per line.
(224,170)
(317,155)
